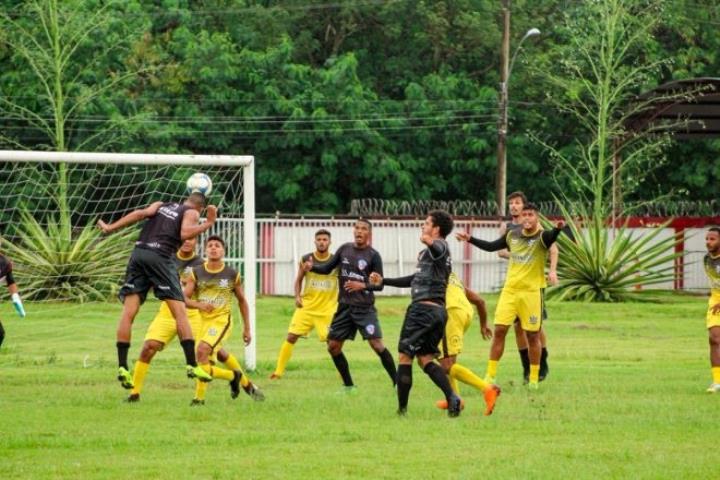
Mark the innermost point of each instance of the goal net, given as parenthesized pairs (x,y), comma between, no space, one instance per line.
(50,203)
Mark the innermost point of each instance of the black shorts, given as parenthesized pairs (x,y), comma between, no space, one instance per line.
(349,319)
(422,329)
(146,270)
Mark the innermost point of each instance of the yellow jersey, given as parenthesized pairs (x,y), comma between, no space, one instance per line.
(216,287)
(712,270)
(455,296)
(320,292)
(528,255)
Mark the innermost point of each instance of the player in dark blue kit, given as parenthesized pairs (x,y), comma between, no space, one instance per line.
(425,319)
(356,301)
(152,265)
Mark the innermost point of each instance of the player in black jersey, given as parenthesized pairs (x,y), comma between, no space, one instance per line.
(356,301)
(425,319)
(151,265)
(6,276)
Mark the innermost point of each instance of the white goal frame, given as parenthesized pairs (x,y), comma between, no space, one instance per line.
(245,161)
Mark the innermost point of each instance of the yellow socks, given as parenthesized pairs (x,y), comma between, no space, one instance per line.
(139,374)
(200,389)
(466,375)
(232,362)
(217,372)
(715,374)
(453,383)
(283,357)
(492,368)
(534,373)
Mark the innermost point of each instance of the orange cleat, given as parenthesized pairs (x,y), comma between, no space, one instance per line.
(491,395)
(275,376)
(442,404)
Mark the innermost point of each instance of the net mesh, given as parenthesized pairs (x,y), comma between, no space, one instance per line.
(48,213)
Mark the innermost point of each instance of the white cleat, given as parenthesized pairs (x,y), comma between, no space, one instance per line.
(713,388)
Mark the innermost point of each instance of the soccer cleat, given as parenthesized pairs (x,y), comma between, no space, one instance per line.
(489,379)
(125,378)
(133,398)
(533,386)
(235,384)
(348,390)
(402,412)
(275,376)
(491,395)
(254,392)
(454,406)
(197,403)
(198,372)
(443,404)
(713,388)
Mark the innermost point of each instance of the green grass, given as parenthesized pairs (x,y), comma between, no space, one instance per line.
(624,399)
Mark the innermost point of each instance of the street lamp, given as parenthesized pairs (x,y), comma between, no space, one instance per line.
(506,69)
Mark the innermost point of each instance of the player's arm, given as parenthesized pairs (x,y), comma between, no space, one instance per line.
(504,253)
(244,309)
(400,282)
(189,290)
(324,269)
(493,246)
(552,274)
(14,293)
(479,303)
(549,236)
(376,268)
(190,227)
(298,285)
(132,217)
(437,248)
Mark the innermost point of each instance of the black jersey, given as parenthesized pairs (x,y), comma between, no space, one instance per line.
(6,271)
(161,233)
(353,264)
(431,274)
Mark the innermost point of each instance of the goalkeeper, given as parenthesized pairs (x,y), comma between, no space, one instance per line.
(7,277)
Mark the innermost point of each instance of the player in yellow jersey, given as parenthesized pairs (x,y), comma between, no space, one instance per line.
(712,319)
(521,296)
(316,303)
(516,202)
(458,302)
(210,288)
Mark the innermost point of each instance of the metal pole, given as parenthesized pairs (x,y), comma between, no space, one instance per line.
(501,182)
(249,244)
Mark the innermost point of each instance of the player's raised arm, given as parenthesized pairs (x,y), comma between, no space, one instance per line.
(244,310)
(493,246)
(549,237)
(132,217)
(325,268)
(190,227)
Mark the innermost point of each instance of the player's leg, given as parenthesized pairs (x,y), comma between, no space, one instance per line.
(714,340)
(131,306)
(243,380)
(530,313)
(404,382)
(522,345)
(300,325)
(369,325)
(142,365)
(544,367)
(505,314)
(341,329)
(2,334)
(187,342)
(440,379)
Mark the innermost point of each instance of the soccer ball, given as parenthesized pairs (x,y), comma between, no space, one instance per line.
(199,183)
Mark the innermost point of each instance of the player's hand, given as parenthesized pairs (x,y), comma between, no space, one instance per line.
(376,278)
(247,338)
(715,309)
(206,307)
(560,224)
(486,332)
(103,226)
(354,286)
(298,302)
(308,264)
(553,277)
(211,214)
(463,236)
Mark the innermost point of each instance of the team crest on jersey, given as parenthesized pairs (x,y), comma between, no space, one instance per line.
(187,271)
(531,242)
(370,329)
(362,264)
(212,331)
(533,319)
(223,283)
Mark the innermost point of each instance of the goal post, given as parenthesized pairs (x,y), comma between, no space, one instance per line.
(167,178)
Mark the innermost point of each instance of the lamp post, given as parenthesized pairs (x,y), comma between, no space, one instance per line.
(505,71)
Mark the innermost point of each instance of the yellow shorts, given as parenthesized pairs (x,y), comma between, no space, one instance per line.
(303,322)
(215,331)
(710,319)
(457,324)
(163,328)
(527,305)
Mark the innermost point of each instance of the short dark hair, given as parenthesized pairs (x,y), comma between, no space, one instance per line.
(322,231)
(714,229)
(520,195)
(442,219)
(216,238)
(531,206)
(365,221)
(198,199)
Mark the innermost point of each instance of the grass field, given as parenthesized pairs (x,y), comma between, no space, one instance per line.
(625,399)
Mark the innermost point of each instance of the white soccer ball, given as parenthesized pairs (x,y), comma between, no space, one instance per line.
(199,183)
